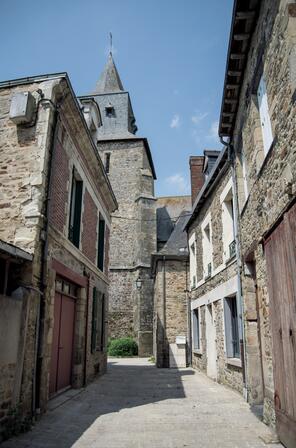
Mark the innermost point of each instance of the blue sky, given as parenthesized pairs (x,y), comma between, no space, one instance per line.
(170,55)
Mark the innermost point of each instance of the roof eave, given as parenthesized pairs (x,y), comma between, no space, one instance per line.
(243,10)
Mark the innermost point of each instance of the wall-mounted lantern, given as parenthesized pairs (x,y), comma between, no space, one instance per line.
(139,282)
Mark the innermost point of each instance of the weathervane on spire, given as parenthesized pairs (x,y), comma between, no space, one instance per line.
(111,44)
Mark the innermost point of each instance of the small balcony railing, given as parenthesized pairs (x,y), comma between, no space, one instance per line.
(232,249)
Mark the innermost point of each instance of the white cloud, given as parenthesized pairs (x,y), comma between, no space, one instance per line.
(175,123)
(198,117)
(196,136)
(213,132)
(178,183)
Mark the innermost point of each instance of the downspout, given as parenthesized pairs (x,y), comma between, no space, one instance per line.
(37,375)
(189,330)
(239,266)
(164,309)
(87,274)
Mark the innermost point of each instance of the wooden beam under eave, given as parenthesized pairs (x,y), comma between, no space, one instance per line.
(242,36)
(237,56)
(232,86)
(234,72)
(230,100)
(243,15)
(227,114)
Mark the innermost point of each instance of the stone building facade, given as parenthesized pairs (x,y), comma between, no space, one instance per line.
(215,301)
(129,165)
(258,120)
(56,204)
(170,274)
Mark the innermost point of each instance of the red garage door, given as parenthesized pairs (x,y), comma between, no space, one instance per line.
(63,334)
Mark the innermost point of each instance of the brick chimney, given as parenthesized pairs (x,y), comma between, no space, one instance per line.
(197,175)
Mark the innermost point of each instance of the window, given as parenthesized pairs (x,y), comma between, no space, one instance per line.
(228,237)
(75,210)
(244,172)
(110,111)
(98,321)
(192,261)
(107,162)
(207,250)
(196,329)
(264,115)
(101,242)
(231,327)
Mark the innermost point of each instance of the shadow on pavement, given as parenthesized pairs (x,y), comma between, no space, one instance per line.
(126,385)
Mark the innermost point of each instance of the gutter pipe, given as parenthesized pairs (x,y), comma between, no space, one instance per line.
(37,376)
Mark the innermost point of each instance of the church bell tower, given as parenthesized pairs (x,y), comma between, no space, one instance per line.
(129,165)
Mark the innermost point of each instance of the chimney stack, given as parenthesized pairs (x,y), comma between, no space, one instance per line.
(197,175)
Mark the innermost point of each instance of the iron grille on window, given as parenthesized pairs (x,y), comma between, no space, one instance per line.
(209,270)
(232,249)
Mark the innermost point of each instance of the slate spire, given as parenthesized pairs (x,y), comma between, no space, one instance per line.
(109,81)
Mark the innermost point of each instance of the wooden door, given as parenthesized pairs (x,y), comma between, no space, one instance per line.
(62,345)
(280,252)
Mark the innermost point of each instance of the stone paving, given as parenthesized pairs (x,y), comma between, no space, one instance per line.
(136,405)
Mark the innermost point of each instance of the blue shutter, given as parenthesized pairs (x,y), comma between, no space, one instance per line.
(228,329)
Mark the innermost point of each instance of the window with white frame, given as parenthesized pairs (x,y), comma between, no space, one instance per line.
(207,247)
(196,329)
(244,172)
(264,115)
(228,237)
(232,340)
(192,260)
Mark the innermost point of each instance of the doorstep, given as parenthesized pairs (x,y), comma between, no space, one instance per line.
(62,397)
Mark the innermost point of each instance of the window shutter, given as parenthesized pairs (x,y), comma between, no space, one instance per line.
(228,330)
(77,213)
(195,318)
(94,321)
(101,244)
(264,115)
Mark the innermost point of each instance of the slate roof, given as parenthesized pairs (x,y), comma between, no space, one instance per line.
(177,242)
(109,81)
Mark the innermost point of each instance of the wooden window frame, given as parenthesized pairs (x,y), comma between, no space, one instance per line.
(75,212)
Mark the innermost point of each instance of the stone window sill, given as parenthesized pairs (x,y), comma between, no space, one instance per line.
(197,351)
(230,259)
(236,362)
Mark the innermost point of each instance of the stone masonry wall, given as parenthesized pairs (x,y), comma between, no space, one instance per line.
(271,179)
(174,323)
(132,239)
(221,272)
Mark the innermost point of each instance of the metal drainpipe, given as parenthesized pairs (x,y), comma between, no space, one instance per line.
(164,307)
(189,335)
(87,275)
(239,266)
(42,302)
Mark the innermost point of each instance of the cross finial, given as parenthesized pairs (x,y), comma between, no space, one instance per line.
(111,44)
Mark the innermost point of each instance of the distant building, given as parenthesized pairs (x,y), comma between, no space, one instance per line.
(258,123)
(56,204)
(130,168)
(215,301)
(170,274)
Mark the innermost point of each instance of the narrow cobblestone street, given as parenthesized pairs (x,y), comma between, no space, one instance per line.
(136,405)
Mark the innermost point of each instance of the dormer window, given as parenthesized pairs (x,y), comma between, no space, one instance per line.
(110,111)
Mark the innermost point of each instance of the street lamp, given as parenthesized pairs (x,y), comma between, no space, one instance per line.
(139,283)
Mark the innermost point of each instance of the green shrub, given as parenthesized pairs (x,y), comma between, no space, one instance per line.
(123,347)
